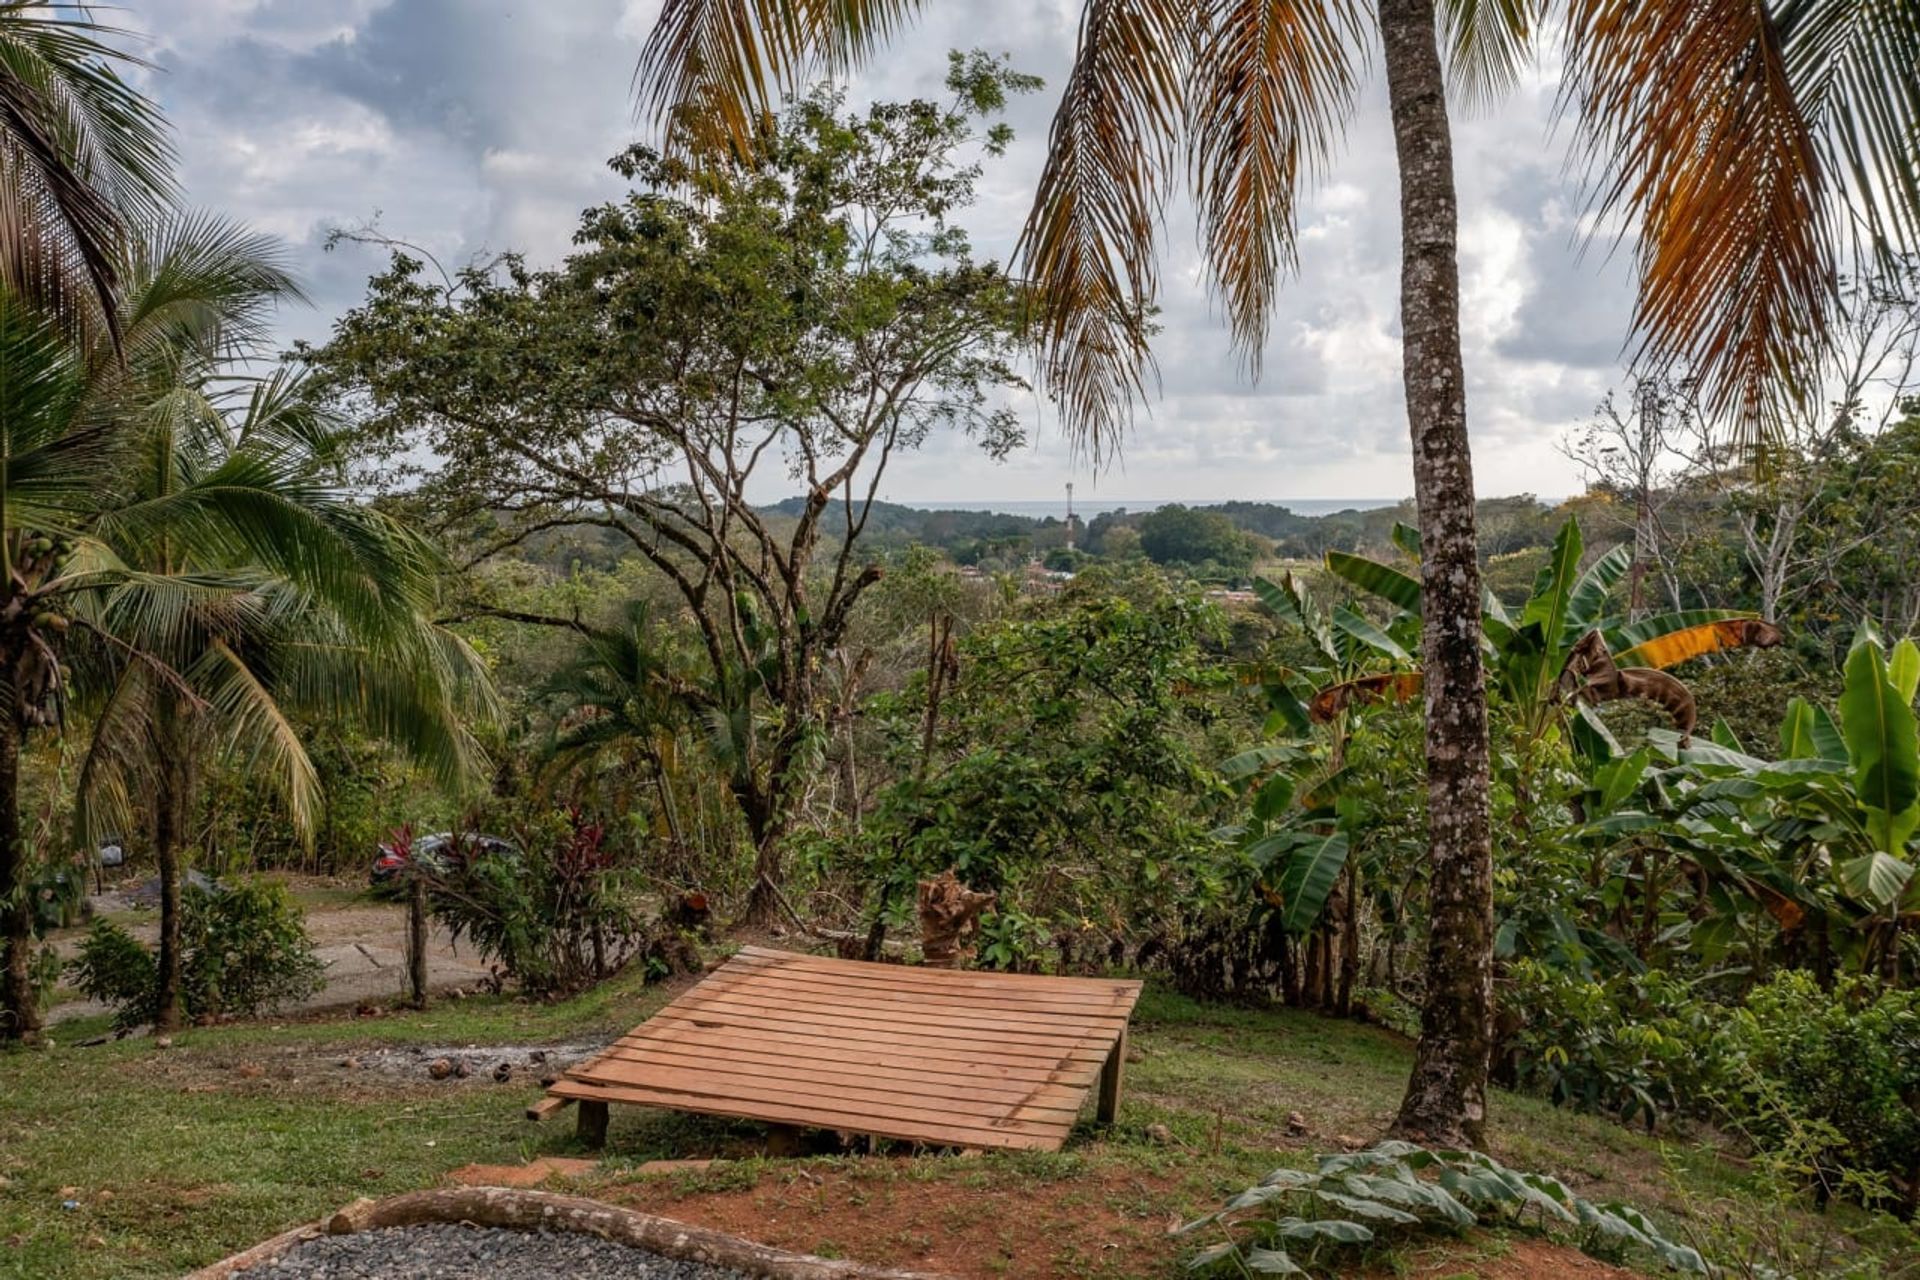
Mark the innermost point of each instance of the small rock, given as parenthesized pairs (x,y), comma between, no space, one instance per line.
(502,1072)
(456,993)
(461,1069)
(1161,1134)
(1296,1123)
(68,1193)
(440,1068)
(163,1042)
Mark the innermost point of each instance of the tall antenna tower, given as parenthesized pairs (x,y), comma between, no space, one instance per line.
(1069,515)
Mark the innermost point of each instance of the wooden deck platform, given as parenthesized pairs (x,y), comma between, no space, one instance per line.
(950,1058)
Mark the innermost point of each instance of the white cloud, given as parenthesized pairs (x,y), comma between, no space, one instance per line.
(471,125)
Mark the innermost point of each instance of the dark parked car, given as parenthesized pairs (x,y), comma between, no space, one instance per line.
(439,855)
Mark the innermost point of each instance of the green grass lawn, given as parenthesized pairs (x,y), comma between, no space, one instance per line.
(179,1156)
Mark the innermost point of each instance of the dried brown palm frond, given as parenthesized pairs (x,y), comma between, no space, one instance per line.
(713,67)
(1691,123)
(1091,243)
(1273,85)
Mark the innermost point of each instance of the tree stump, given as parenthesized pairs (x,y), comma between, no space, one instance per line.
(949,915)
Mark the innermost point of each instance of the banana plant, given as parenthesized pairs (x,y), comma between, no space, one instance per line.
(1303,819)
(1842,804)
(1539,657)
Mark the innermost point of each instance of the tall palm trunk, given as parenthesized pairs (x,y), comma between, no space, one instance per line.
(1446,1096)
(171,805)
(19,1005)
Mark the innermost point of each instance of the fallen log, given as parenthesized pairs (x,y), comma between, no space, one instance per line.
(517,1210)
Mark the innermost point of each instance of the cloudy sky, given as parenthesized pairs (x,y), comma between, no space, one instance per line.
(472,125)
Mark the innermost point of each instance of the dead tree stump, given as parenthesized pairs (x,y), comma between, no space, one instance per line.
(949,915)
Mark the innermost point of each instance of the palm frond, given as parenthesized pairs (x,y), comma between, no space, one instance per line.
(711,68)
(1488,44)
(1852,66)
(1691,123)
(82,153)
(1272,87)
(1091,242)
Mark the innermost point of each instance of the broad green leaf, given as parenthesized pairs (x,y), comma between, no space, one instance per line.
(1257,759)
(1407,538)
(1589,597)
(1875,878)
(1411,1194)
(1212,1253)
(1334,1229)
(1371,1209)
(1591,737)
(1309,878)
(1293,1179)
(1391,585)
(1271,1262)
(1884,745)
(1362,629)
(1553,586)
(1903,668)
(1256,1195)
(1809,733)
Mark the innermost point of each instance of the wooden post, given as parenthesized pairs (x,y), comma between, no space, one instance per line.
(417,940)
(1110,1076)
(592,1130)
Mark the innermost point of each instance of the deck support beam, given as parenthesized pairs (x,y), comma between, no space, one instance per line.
(592,1130)
(1110,1078)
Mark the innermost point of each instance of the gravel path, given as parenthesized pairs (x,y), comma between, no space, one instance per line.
(458,1252)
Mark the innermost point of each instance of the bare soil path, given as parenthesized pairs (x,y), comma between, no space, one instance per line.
(360,938)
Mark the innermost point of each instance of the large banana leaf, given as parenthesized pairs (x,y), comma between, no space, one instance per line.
(1874,878)
(1884,744)
(1809,733)
(1308,878)
(1588,600)
(1671,638)
(1903,668)
(1363,630)
(1385,581)
(1553,586)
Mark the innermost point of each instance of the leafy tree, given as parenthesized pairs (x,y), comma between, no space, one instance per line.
(1176,534)
(186,548)
(1722,130)
(807,302)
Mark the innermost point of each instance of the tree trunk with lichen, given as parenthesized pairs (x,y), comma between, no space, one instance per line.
(1445,1101)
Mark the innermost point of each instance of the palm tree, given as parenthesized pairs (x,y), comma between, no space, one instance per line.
(1732,132)
(83,156)
(204,573)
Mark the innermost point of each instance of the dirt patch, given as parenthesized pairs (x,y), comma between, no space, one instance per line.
(1106,1222)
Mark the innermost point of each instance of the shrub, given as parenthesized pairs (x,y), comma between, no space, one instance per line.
(1635,1046)
(244,951)
(1830,1080)
(555,918)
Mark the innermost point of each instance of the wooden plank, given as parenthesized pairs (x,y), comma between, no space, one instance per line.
(970,1064)
(993,986)
(546,1107)
(1061,1034)
(1094,1051)
(973,1098)
(910,973)
(932,1003)
(711,1082)
(1023,1138)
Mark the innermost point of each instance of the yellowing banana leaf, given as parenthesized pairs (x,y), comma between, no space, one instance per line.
(1674,647)
(1395,686)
